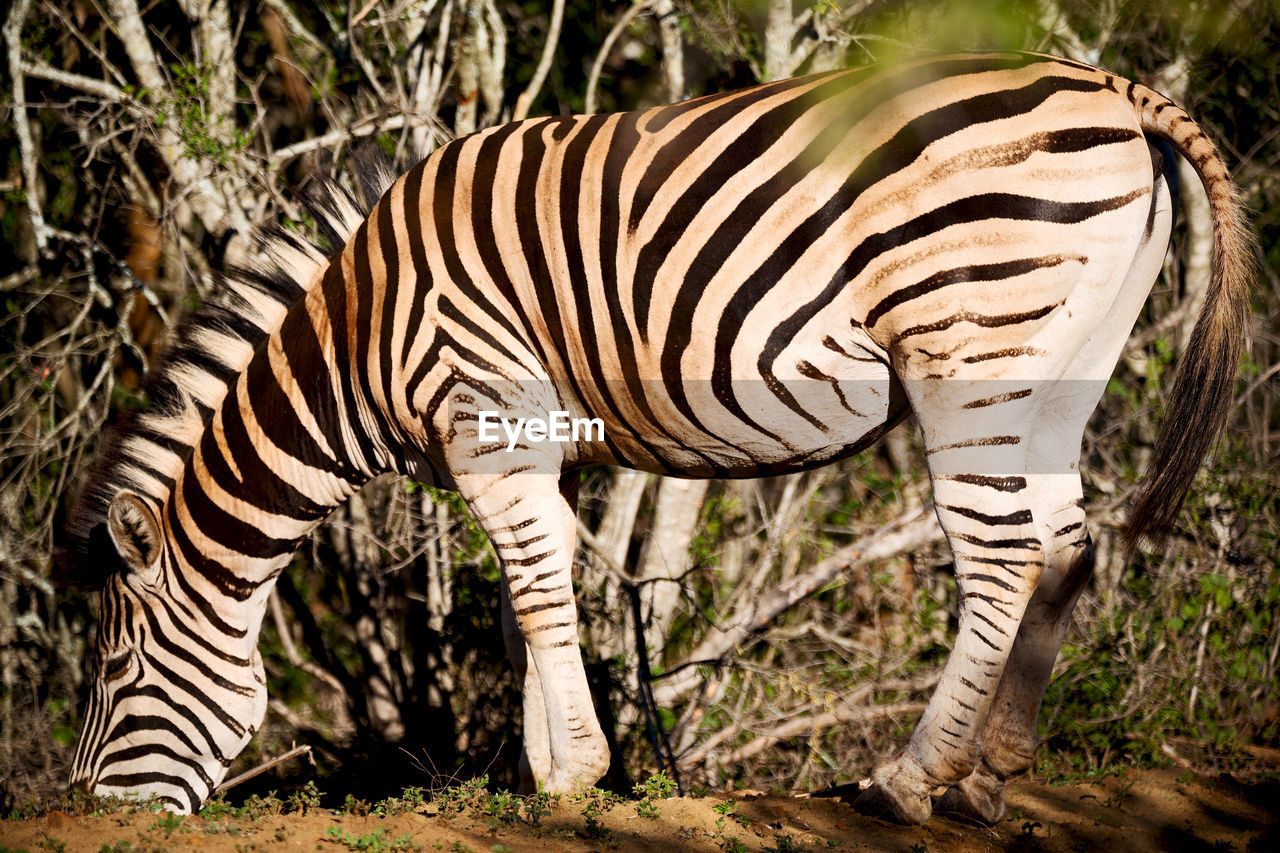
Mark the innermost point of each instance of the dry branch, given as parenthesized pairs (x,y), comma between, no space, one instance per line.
(525,101)
(909,532)
(636,9)
(263,768)
(13,46)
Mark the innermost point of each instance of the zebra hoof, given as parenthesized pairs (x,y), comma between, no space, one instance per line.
(877,802)
(977,797)
(899,793)
(569,784)
(578,778)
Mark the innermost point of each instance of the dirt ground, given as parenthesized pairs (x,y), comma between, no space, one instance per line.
(1150,810)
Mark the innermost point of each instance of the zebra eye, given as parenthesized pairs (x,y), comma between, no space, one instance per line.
(116,666)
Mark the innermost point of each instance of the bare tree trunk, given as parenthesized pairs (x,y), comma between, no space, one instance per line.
(525,102)
(439,603)
(666,555)
(626,491)
(425,71)
(482,55)
(13,26)
(779,33)
(672,40)
(355,544)
(471,41)
(209,197)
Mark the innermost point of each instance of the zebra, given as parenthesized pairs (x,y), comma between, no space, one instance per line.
(738,285)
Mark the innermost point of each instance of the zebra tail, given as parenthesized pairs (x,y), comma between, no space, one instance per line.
(1203,388)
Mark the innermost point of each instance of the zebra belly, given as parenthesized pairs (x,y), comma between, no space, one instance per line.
(823,399)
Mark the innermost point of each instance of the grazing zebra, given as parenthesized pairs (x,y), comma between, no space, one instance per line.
(738,285)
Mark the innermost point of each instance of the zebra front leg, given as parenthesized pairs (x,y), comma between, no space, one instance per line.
(998,562)
(531,527)
(535,754)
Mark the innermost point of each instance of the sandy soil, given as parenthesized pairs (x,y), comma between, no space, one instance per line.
(1152,810)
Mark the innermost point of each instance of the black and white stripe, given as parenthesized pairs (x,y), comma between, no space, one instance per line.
(739,285)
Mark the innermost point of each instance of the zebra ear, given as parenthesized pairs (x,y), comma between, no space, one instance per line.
(135,530)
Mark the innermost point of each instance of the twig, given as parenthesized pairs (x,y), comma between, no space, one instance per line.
(810,42)
(291,651)
(804,725)
(356,53)
(104,90)
(333,137)
(910,531)
(264,767)
(1256,384)
(1199,665)
(852,709)
(13,46)
(525,101)
(16,280)
(624,20)
(602,553)
(661,743)
(365,10)
(296,28)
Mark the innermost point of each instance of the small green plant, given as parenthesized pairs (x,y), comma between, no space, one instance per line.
(56,845)
(218,807)
(204,136)
(214,827)
(918,847)
(537,807)
(729,808)
(659,786)
(119,847)
(596,803)
(373,842)
(168,823)
(502,809)
(727,843)
(456,799)
(409,801)
(786,843)
(1119,796)
(256,806)
(305,799)
(353,806)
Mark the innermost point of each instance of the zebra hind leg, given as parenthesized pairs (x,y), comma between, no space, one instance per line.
(983,504)
(1009,736)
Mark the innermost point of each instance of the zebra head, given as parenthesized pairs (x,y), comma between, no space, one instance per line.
(178,687)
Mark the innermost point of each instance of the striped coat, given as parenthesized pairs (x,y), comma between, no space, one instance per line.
(738,285)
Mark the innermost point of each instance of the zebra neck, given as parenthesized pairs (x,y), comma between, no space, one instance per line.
(270,465)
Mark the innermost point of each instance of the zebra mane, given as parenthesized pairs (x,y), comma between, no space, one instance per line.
(146,450)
